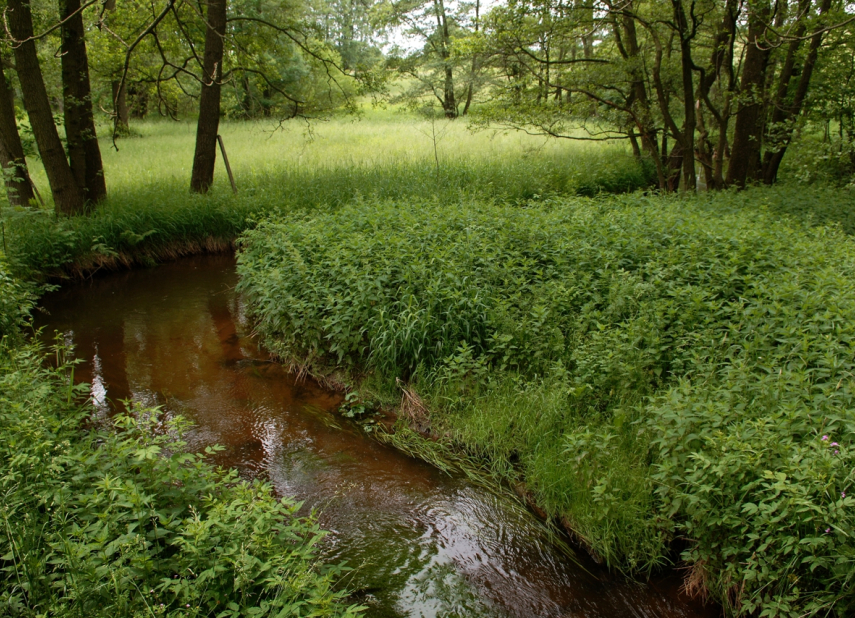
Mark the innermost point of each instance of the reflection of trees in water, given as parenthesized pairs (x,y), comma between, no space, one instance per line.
(224,324)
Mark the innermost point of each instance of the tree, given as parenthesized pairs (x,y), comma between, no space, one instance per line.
(15,172)
(67,196)
(636,70)
(208,124)
(83,151)
(434,65)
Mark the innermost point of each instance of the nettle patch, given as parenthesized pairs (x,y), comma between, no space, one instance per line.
(653,368)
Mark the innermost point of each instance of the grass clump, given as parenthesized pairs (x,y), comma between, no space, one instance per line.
(652,368)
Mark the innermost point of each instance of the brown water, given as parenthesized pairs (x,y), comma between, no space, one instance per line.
(422,543)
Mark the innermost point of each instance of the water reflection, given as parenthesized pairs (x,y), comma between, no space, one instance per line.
(422,544)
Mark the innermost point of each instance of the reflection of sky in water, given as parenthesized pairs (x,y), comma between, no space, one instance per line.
(422,544)
(97,388)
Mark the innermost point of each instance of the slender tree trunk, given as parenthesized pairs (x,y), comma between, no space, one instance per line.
(120,104)
(209,103)
(246,98)
(83,150)
(14,164)
(627,39)
(688,180)
(474,70)
(66,194)
(721,66)
(449,105)
(770,173)
(747,135)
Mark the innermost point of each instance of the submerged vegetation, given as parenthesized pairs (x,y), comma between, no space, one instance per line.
(653,368)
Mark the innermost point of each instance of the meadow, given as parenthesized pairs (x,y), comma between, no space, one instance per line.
(150,213)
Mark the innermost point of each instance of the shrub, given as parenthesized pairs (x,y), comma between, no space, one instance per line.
(652,367)
(16,301)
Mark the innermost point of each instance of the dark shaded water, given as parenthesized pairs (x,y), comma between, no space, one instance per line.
(423,543)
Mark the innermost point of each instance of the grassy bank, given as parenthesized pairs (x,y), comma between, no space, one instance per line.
(99,522)
(653,368)
(151,215)
(121,520)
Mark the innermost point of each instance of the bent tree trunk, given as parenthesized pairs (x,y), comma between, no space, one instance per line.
(83,150)
(66,195)
(15,171)
(209,102)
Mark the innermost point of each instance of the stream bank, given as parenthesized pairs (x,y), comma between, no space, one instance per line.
(422,543)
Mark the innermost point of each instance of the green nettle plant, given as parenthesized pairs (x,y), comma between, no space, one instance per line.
(653,369)
(16,300)
(125,522)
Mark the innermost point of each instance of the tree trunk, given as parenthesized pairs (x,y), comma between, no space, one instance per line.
(473,71)
(642,114)
(745,152)
(15,172)
(67,196)
(688,182)
(720,66)
(120,105)
(139,101)
(449,105)
(82,142)
(209,102)
(770,173)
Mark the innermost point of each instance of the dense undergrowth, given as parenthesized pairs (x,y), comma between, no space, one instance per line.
(653,368)
(122,521)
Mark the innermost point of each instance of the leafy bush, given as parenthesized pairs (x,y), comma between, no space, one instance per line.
(652,367)
(127,523)
(16,300)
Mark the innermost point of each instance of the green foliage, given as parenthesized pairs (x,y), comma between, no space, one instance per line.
(125,522)
(652,367)
(16,300)
(142,220)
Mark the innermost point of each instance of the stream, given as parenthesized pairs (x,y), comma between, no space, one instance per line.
(421,543)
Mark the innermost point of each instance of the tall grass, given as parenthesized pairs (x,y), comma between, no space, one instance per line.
(651,367)
(150,212)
